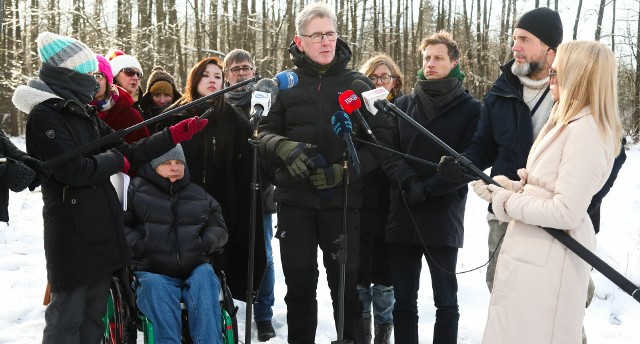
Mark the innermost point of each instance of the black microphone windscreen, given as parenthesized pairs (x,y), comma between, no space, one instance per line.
(267,86)
(359,86)
(341,123)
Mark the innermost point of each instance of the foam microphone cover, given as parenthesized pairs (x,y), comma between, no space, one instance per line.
(286,80)
(267,86)
(341,123)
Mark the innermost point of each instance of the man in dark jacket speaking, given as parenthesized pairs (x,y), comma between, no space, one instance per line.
(427,213)
(297,137)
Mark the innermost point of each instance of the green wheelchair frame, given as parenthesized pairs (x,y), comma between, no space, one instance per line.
(121,326)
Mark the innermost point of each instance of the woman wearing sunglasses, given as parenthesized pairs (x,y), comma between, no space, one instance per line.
(115,104)
(127,73)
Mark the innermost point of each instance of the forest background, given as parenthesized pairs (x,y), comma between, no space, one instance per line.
(175,34)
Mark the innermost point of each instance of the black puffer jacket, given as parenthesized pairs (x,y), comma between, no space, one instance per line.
(220,160)
(10,151)
(171,227)
(303,114)
(83,236)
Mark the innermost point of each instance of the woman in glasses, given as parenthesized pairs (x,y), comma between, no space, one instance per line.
(115,104)
(374,281)
(127,73)
(220,159)
(539,284)
(384,72)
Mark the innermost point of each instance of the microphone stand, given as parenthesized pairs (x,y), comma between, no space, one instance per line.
(255,186)
(560,235)
(119,134)
(341,255)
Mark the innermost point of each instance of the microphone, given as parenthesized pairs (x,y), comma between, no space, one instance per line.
(286,80)
(350,103)
(370,96)
(343,128)
(264,94)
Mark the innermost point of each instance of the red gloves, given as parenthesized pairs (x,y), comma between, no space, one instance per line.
(126,166)
(185,129)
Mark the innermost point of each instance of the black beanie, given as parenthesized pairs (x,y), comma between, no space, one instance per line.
(543,23)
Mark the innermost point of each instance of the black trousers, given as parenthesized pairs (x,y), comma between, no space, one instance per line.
(406,262)
(301,231)
(75,316)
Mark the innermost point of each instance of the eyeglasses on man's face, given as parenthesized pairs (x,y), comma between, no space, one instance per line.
(130,72)
(553,76)
(384,78)
(243,69)
(317,37)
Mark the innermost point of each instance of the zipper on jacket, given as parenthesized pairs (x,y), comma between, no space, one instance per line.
(64,191)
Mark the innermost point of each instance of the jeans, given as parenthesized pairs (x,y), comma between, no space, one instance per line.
(75,316)
(158,298)
(264,300)
(497,231)
(407,265)
(382,298)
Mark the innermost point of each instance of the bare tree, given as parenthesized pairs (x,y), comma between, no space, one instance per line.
(575,23)
(599,24)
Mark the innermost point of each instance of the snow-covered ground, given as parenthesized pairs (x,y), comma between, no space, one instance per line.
(614,317)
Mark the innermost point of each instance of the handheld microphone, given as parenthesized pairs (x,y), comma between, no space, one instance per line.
(286,80)
(343,128)
(264,94)
(370,96)
(350,103)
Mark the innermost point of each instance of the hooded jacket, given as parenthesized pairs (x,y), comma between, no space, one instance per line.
(83,228)
(303,114)
(171,228)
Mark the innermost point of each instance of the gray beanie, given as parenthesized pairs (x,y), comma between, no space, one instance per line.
(175,153)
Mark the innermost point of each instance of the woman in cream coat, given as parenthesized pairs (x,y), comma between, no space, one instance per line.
(540,286)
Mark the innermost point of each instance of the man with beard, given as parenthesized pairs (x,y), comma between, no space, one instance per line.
(238,67)
(513,112)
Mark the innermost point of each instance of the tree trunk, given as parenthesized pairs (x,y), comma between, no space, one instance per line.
(575,24)
(635,119)
(599,24)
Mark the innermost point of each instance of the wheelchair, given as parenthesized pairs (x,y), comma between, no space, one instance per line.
(123,321)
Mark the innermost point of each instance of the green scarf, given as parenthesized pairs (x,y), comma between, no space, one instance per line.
(455,73)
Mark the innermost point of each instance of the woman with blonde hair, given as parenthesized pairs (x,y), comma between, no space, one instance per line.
(540,286)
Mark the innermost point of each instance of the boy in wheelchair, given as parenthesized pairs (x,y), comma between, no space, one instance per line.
(173,227)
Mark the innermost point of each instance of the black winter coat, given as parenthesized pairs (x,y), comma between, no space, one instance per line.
(505,131)
(10,151)
(303,114)
(83,228)
(171,228)
(219,159)
(440,219)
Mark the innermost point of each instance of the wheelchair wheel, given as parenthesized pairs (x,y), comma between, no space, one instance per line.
(120,325)
(229,311)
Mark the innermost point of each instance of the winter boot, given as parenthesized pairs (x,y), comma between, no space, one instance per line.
(367,330)
(383,333)
(265,330)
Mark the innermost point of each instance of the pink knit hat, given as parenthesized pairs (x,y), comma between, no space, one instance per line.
(105,68)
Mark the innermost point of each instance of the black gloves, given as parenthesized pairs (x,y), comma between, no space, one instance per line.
(17,176)
(450,170)
(36,166)
(295,156)
(415,190)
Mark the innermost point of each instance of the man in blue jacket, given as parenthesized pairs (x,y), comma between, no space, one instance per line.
(514,110)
